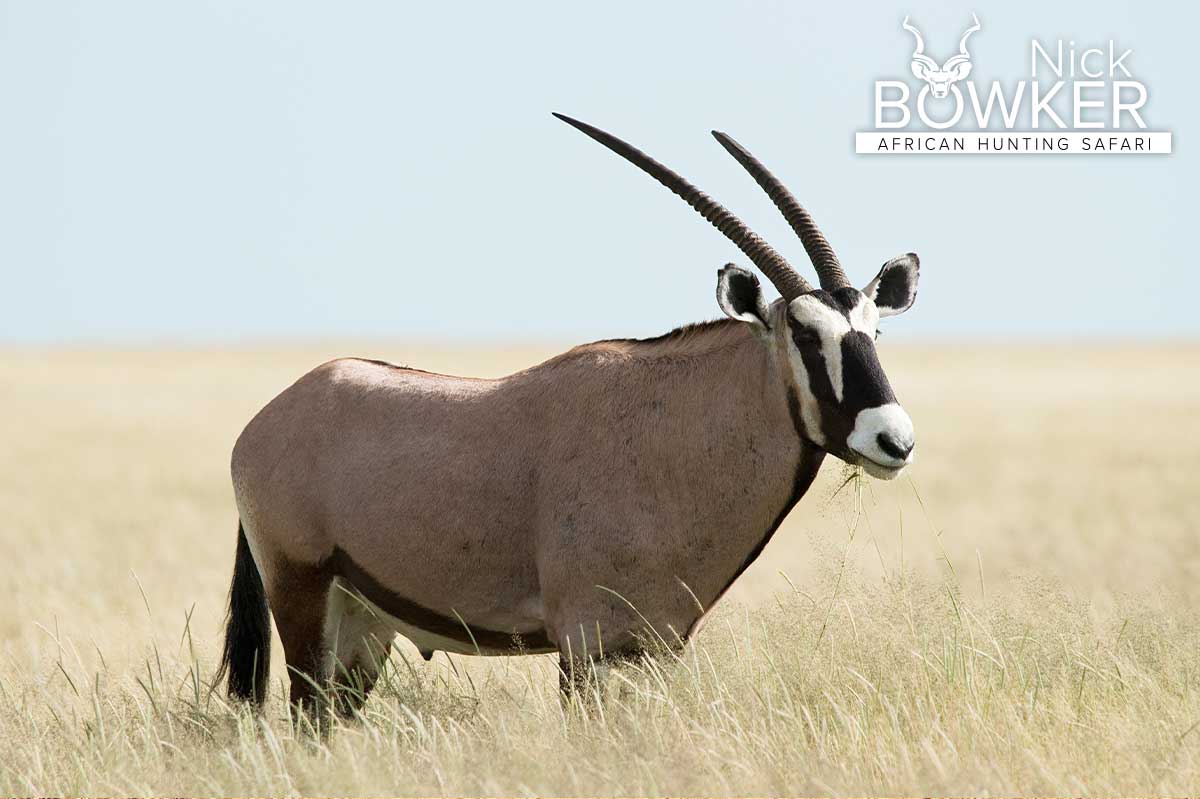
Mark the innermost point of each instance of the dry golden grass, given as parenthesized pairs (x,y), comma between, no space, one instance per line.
(1018,617)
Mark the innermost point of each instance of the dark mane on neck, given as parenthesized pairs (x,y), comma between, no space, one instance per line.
(678,335)
(681,344)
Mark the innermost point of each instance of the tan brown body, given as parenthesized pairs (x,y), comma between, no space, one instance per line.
(569,504)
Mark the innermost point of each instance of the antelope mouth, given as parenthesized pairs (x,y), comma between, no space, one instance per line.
(880,471)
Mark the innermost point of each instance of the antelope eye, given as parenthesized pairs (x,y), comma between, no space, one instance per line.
(878,333)
(802,337)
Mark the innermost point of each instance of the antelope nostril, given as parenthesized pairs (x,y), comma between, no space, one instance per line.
(893,447)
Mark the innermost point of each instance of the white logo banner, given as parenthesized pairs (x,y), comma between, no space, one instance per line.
(1076,98)
(1012,143)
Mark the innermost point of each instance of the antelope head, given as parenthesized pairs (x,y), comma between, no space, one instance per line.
(955,69)
(823,338)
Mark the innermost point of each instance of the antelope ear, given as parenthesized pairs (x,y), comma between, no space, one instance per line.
(740,296)
(895,287)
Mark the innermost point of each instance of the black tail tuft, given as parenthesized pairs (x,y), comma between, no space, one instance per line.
(246,657)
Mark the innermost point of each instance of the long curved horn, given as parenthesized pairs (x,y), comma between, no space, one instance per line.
(829,269)
(786,279)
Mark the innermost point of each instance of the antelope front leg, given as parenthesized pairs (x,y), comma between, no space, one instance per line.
(580,676)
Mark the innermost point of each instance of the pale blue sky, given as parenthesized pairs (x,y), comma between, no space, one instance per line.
(229,171)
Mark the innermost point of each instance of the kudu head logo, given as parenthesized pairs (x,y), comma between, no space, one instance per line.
(955,69)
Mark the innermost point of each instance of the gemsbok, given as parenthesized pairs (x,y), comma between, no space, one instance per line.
(605,498)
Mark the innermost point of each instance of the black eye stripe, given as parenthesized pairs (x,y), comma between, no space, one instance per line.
(804,335)
(818,375)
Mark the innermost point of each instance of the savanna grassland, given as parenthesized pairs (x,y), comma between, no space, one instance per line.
(1018,614)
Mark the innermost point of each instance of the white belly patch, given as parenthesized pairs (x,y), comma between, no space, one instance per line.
(425,640)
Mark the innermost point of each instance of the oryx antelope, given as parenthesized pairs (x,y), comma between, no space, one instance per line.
(608,496)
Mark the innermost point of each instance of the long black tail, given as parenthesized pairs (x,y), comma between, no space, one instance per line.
(246,657)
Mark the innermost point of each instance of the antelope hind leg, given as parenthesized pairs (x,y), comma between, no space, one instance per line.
(299,607)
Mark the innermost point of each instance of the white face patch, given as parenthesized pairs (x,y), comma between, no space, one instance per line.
(830,327)
(883,436)
(864,317)
(811,312)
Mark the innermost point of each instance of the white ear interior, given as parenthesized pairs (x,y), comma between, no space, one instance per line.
(740,296)
(894,289)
